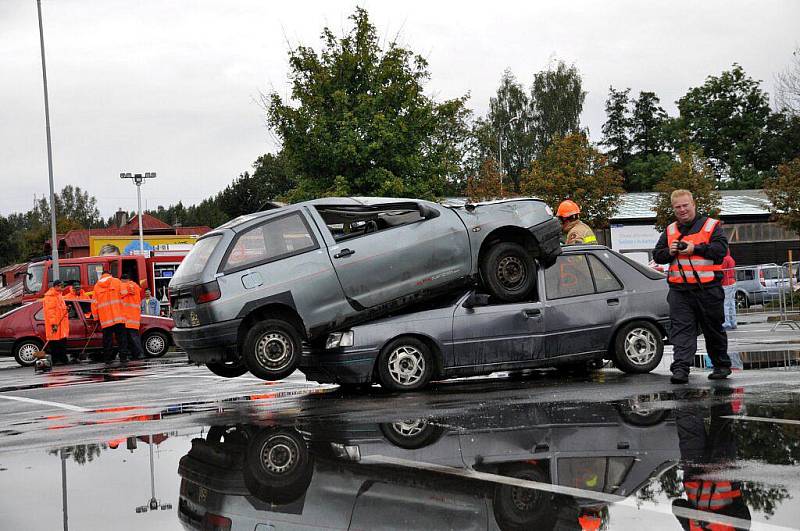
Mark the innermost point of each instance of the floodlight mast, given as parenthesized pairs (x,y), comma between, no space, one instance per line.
(138,179)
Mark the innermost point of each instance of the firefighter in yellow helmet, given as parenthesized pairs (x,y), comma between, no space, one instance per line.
(575,231)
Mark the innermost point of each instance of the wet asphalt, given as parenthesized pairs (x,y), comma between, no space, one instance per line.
(161,444)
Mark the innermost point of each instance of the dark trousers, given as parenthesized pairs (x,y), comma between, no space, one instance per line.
(689,309)
(109,333)
(135,343)
(58,350)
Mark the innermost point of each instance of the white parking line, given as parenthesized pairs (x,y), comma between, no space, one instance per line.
(763,419)
(45,403)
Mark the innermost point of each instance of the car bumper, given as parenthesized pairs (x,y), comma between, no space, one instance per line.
(208,342)
(345,365)
(6,346)
(548,235)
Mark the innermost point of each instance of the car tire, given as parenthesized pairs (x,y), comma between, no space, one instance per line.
(742,303)
(508,272)
(227,369)
(277,465)
(155,344)
(411,434)
(635,412)
(25,351)
(638,347)
(518,508)
(405,364)
(272,349)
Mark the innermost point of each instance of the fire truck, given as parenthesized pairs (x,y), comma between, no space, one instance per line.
(153,272)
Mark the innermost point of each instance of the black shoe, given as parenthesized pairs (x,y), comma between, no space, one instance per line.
(679,378)
(110,360)
(720,373)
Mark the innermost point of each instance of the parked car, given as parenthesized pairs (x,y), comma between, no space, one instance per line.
(449,472)
(22,332)
(760,284)
(592,304)
(253,289)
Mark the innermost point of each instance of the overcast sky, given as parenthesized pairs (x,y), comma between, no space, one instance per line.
(173,87)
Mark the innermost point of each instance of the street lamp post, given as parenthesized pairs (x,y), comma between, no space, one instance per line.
(53,235)
(138,179)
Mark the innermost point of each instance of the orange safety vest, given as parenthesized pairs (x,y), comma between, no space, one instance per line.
(107,303)
(55,314)
(710,496)
(693,266)
(132,305)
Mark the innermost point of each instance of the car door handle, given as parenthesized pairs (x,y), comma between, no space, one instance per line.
(533,313)
(612,302)
(343,253)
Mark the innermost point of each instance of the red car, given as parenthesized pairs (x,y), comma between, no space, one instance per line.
(22,332)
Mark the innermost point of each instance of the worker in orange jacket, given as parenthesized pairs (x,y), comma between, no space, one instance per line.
(132,309)
(107,308)
(56,323)
(77,292)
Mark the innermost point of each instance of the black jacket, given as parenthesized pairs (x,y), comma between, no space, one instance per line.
(715,250)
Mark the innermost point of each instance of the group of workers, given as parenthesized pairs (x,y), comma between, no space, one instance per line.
(116,306)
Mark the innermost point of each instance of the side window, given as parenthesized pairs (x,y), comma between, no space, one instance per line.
(94,271)
(345,222)
(114,268)
(279,238)
(568,277)
(604,280)
(39,316)
(69,273)
(86,307)
(73,313)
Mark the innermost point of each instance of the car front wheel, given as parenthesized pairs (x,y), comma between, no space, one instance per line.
(741,300)
(25,352)
(272,349)
(638,347)
(406,364)
(508,272)
(155,344)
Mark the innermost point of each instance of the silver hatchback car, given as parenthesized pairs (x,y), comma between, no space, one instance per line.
(251,291)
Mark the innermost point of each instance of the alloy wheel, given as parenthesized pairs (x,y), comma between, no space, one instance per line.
(27,352)
(641,346)
(406,365)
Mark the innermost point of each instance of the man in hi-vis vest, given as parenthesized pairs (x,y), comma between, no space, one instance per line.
(694,247)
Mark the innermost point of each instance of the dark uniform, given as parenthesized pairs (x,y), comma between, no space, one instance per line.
(696,297)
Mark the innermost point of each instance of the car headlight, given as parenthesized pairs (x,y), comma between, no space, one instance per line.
(339,339)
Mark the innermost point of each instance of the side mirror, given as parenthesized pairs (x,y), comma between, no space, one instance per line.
(476,300)
(428,212)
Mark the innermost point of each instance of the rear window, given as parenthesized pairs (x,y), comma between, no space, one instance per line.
(195,261)
(649,272)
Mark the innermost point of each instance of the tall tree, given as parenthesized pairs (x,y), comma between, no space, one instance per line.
(571,168)
(783,191)
(557,98)
(9,243)
(359,121)
(693,173)
(647,124)
(616,137)
(727,117)
(788,86)
(513,128)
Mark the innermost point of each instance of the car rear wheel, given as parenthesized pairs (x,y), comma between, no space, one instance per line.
(519,508)
(406,364)
(278,466)
(741,300)
(272,349)
(411,434)
(25,351)
(155,344)
(638,347)
(227,369)
(508,271)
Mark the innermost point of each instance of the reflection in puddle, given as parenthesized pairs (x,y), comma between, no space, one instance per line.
(686,458)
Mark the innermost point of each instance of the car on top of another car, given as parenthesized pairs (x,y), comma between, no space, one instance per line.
(253,290)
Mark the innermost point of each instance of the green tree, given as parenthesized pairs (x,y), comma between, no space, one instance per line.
(571,168)
(359,122)
(727,117)
(692,172)
(616,129)
(783,191)
(9,243)
(647,125)
(557,98)
(643,171)
(486,184)
(788,86)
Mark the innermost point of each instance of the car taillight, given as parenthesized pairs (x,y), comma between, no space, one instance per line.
(761,277)
(215,522)
(206,292)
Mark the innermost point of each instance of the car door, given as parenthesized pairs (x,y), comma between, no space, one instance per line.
(92,326)
(497,334)
(577,319)
(77,329)
(385,252)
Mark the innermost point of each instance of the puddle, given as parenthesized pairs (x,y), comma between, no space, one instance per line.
(482,464)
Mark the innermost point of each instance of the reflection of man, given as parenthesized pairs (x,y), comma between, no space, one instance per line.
(729,285)
(702,449)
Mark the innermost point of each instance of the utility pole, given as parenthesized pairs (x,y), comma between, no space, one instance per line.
(53,235)
(138,179)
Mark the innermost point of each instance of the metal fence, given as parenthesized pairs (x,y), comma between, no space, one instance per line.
(768,292)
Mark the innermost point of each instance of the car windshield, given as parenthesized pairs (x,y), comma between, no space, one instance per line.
(34,278)
(195,261)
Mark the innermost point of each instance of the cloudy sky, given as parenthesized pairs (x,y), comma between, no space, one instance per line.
(173,86)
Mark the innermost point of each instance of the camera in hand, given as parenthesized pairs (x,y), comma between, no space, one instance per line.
(682,246)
